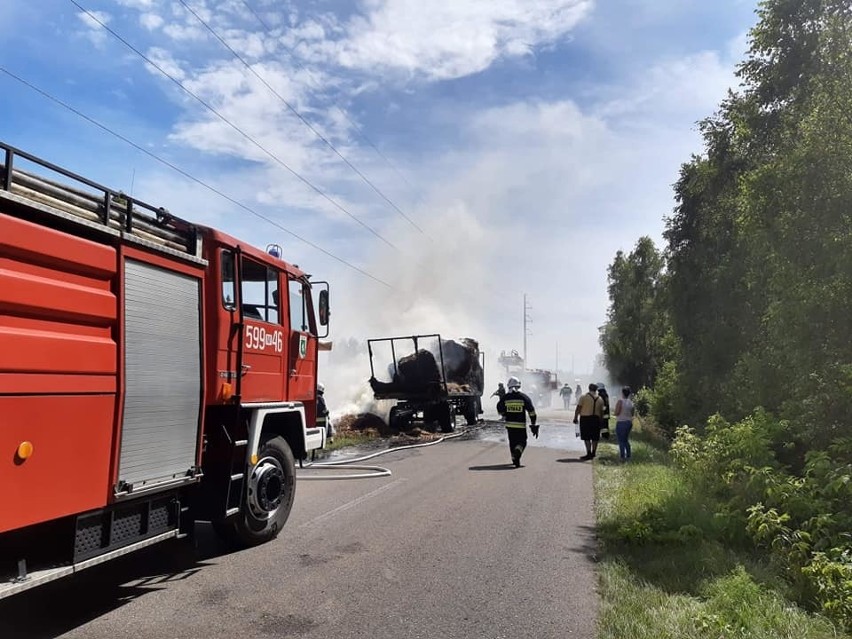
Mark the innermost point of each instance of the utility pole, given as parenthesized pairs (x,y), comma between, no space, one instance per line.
(557,359)
(527,331)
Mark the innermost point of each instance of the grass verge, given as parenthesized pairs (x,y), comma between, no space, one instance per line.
(667,571)
(350,438)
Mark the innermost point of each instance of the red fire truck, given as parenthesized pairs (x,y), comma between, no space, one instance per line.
(153,372)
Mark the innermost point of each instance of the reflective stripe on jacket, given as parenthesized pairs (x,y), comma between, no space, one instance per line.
(517,405)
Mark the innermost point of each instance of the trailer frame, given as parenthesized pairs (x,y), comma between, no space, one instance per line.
(434,403)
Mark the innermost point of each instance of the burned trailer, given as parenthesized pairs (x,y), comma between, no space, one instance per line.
(431,379)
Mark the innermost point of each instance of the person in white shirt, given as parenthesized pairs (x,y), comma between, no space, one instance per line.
(624,423)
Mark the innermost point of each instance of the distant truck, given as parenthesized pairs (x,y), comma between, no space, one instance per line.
(538,383)
(432,379)
(154,372)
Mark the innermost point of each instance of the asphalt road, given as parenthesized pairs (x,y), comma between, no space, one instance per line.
(456,543)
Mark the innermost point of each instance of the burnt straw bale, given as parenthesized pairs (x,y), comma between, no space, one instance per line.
(462,365)
(415,373)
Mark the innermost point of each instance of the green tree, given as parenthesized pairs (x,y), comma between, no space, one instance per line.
(634,335)
(759,245)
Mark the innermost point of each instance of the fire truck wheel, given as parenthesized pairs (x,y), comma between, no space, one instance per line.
(269,498)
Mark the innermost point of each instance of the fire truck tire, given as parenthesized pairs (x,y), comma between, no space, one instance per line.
(269,498)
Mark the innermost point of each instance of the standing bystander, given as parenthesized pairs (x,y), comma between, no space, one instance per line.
(624,423)
(589,411)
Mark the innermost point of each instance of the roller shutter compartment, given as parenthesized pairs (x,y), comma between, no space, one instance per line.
(162,342)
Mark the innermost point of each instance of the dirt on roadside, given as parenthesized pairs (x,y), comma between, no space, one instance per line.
(375,427)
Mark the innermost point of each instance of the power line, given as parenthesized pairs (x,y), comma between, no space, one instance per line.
(210,108)
(352,123)
(188,175)
(295,112)
(257,15)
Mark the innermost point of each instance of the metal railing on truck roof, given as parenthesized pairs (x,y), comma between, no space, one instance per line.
(133,219)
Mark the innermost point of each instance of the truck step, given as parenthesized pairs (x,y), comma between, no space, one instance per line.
(35,578)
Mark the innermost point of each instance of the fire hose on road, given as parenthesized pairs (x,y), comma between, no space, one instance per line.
(373,471)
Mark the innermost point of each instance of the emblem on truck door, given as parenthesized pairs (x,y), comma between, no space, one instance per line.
(303,346)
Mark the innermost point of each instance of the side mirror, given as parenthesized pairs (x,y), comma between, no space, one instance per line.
(324,310)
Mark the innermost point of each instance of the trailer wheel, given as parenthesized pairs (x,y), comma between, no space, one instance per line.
(470,413)
(271,488)
(446,417)
(394,421)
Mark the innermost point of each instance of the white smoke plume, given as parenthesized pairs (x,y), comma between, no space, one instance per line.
(440,281)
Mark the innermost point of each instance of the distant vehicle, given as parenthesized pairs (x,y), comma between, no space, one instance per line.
(538,383)
(432,379)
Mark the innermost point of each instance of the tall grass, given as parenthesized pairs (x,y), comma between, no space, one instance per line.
(668,570)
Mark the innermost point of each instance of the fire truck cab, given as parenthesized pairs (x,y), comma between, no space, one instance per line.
(154,372)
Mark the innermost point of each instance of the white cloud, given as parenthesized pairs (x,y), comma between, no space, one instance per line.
(137,4)
(184,33)
(248,45)
(151,21)
(166,62)
(674,87)
(93,21)
(461,38)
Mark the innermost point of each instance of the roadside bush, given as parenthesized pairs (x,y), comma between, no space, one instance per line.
(730,461)
(803,520)
(642,401)
(667,398)
(806,524)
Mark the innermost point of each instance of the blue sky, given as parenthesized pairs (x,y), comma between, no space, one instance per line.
(528,139)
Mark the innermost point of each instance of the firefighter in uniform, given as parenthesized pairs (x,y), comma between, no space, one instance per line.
(515,406)
(500,393)
(565,393)
(322,414)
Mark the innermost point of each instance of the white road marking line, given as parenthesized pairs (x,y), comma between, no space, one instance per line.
(353,503)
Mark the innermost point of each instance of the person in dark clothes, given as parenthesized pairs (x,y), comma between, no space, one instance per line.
(323,420)
(565,393)
(604,395)
(515,406)
(500,393)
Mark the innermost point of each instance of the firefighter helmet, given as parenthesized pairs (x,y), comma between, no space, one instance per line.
(320,388)
(512,383)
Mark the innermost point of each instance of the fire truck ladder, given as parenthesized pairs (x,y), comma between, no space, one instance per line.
(99,208)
